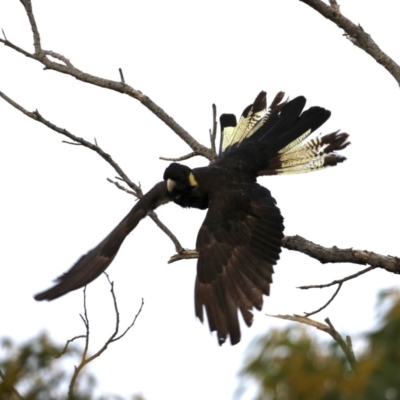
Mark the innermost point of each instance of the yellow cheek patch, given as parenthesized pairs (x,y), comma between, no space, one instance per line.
(192,180)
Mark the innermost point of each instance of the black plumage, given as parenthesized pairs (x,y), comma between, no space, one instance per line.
(239,241)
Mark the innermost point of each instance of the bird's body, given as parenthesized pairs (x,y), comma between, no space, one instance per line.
(240,239)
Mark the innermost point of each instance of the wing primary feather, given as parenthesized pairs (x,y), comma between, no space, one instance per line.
(230,308)
(238,244)
(250,117)
(308,156)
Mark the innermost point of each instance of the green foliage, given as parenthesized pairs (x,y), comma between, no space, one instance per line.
(35,371)
(289,364)
(292,364)
(384,348)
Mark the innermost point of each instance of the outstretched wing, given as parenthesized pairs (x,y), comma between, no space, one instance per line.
(238,244)
(97,260)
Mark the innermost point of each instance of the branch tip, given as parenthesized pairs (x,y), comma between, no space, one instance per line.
(121,75)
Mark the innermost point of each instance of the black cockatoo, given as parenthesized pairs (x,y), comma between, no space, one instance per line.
(240,239)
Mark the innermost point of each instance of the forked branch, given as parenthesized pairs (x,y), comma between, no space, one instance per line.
(85,359)
(346,346)
(66,67)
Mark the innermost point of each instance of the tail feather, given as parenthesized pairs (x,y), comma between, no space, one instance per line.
(302,156)
(253,118)
(290,127)
(274,140)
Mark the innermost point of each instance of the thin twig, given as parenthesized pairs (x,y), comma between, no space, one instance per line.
(86,321)
(35,115)
(78,369)
(72,143)
(339,281)
(38,117)
(132,323)
(112,338)
(325,305)
(213,131)
(121,75)
(348,351)
(119,186)
(304,320)
(64,350)
(185,157)
(117,319)
(184,254)
(175,241)
(17,49)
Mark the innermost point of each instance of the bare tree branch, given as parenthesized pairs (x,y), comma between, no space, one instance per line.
(326,255)
(78,369)
(36,36)
(185,157)
(4,35)
(347,350)
(346,347)
(132,323)
(304,320)
(308,314)
(64,350)
(339,281)
(356,34)
(121,74)
(17,49)
(35,115)
(336,255)
(185,254)
(85,360)
(124,177)
(213,131)
(154,217)
(68,68)
(120,187)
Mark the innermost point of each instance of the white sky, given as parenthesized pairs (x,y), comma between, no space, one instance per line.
(56,203)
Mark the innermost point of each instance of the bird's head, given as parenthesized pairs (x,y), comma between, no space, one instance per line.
(180,180)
